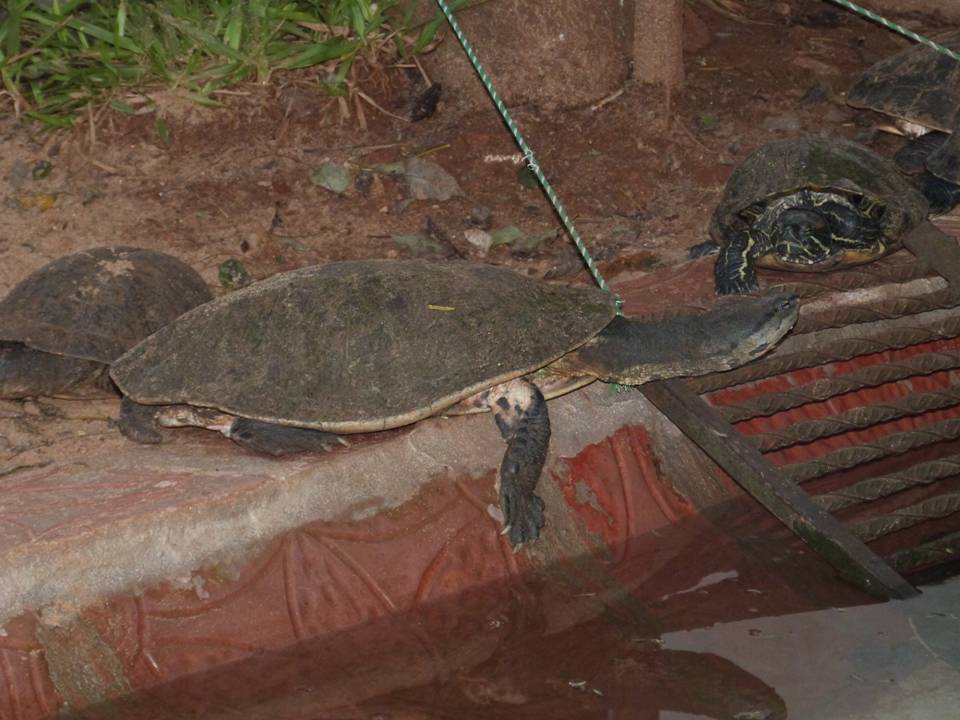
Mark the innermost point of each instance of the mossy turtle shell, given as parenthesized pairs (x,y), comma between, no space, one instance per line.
(785,166)
(96,304)
(361,346)
(918,84)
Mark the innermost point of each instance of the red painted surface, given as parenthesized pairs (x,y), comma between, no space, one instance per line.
(407,597)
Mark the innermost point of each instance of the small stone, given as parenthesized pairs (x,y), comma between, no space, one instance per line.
(428,181)
(426,105)
(815,95)
(363,182)
(785,122)
(480,239)
(41,169)
(481,217)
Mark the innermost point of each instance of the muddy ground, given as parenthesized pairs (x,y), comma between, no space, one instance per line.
(640,173)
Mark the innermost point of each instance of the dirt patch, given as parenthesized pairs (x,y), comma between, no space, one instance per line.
(640,173)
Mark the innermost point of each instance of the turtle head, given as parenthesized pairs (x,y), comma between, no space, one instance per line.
(801,239)
(757,325)
(632,351)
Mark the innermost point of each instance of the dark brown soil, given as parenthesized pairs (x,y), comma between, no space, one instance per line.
(640,174)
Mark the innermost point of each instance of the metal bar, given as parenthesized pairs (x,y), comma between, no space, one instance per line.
(930,509)
(883,486)
(940,550)
(704,425)
(884,302)
(855,419)
(892,444)
(819,390)
(897,268)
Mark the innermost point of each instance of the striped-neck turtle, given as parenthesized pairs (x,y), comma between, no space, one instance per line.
(62,325)
(363,346)
(809,204)
(919,87)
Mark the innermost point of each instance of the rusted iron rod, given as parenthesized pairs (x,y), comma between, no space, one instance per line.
(855,419)
(892,444)
(883,303)
(883,486)
(932,508)
(800,351)
(898,268)
(942,549)
(819,390)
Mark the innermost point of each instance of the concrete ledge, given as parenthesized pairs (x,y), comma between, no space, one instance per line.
(135,516)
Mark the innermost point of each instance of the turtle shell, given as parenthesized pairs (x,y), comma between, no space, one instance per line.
(361,346)
(96,304)
(822,164)
(918,84)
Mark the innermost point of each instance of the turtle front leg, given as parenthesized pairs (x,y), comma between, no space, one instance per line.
(734,272)
(942,195)
(520,412)
(139,422)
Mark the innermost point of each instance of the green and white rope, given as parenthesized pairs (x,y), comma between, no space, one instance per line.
(890,25)
(525,149)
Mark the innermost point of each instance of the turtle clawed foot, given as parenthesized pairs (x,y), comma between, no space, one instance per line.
(702,250)
(737,288)
(137,423)
(277,440)
(522,515)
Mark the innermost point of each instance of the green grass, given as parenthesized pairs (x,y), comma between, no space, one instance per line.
(59,57)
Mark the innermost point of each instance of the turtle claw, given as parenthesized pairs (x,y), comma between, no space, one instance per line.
(523,515)
(137,422)
(736,285)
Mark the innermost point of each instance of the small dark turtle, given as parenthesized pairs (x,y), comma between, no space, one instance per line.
(808,204)
(364,346)
(62,325)
(919,87)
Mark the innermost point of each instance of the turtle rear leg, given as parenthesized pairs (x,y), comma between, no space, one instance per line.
(273,439)
(942,195)
(733,271)
(912,157)
(520,412)
(139,422)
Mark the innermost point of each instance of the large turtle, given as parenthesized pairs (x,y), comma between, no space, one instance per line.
(356,347)
(919,87)
(62,325)
(808,204)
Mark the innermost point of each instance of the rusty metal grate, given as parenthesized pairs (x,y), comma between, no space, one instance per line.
(850,431)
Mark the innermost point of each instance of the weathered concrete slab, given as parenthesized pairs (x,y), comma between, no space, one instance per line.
(131,516)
